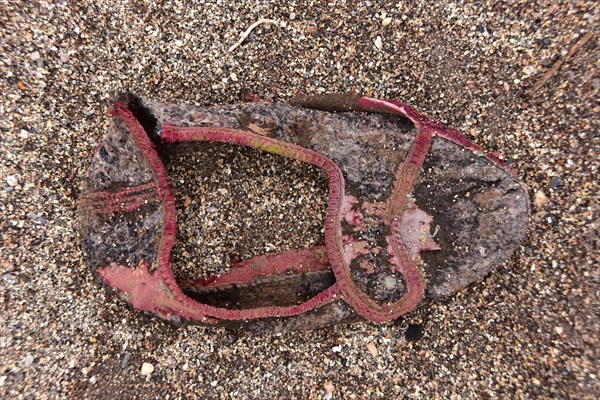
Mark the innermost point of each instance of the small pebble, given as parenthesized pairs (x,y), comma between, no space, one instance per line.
(6,266)
(554,182)
(23,134)
(125,360)
(34,56)
(12,180)
(379,43)
(372,349)
(147,369)
(558,330)
(530,70)
(386,21)
(329,388)
(414,332)
(540,199)
(93,380)
(389,282)
(292,16)
(28,360)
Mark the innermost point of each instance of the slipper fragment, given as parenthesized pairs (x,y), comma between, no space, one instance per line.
(395,178)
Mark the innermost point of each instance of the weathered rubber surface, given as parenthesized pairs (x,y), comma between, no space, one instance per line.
(480,211)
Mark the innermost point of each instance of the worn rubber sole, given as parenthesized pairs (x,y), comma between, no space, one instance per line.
(478,210)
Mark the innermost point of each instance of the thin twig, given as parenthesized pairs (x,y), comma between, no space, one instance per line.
(556,66)
(244,35)
(550,9)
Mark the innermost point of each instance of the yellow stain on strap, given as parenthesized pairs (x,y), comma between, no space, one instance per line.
(269,148)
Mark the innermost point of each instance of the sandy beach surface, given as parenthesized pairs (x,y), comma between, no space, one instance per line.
(530,330)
